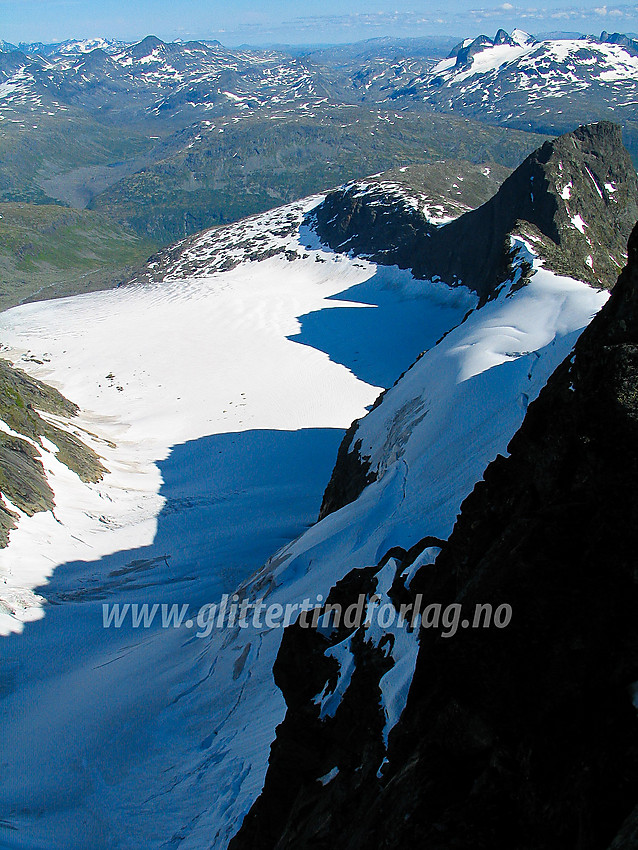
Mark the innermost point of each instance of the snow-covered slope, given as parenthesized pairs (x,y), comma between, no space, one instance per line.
(501,723)
(156,733)
(527,83)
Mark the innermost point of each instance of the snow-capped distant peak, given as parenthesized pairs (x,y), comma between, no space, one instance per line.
(484,54)
(70,47)
(521,37)
(508,75)
(86,45)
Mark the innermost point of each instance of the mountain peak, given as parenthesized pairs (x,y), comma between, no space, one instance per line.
(468,49)
(630,44)
(146,46)
(573,202)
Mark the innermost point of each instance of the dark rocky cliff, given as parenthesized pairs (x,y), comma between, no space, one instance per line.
(526,736)
(387,217)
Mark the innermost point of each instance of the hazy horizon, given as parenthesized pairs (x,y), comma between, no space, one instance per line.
(279,22)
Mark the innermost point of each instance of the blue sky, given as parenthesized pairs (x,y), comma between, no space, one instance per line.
(313,21)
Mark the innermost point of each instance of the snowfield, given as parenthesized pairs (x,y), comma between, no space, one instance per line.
(218,404)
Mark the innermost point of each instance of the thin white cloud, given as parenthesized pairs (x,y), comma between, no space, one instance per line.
(354,26)
(567,13)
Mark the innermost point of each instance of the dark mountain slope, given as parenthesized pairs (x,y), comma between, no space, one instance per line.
(525,736)
(372,218)
(532,738)
(574,201)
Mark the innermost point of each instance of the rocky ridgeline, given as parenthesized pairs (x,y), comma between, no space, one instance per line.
(393,209)
(522,737)
(220,249)
(388,217)
(572,202)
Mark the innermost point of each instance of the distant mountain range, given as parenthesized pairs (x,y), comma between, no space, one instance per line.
(69,47)
(171,138)
(509,79)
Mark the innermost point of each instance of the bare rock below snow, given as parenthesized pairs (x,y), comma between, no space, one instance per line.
(23,481)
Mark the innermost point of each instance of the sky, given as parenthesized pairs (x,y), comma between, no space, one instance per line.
(257,22)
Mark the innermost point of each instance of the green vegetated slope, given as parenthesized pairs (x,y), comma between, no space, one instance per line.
(40,147)
(24,405)
(49,251)
(259,163)
(150,184)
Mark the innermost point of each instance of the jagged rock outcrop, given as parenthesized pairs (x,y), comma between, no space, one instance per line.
(630,44)
(574,200)
(351,474)
(388,217)
(525,736)
(373,224)
(466,50)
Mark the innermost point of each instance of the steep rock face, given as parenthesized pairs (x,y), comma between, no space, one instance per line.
(630,44)
(571,203)
(351,474)
(574,200)
(312,741)
(525,736)
(388,217)
(372,223)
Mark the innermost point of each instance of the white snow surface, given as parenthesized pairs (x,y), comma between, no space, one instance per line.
(235,391)
(434,434)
